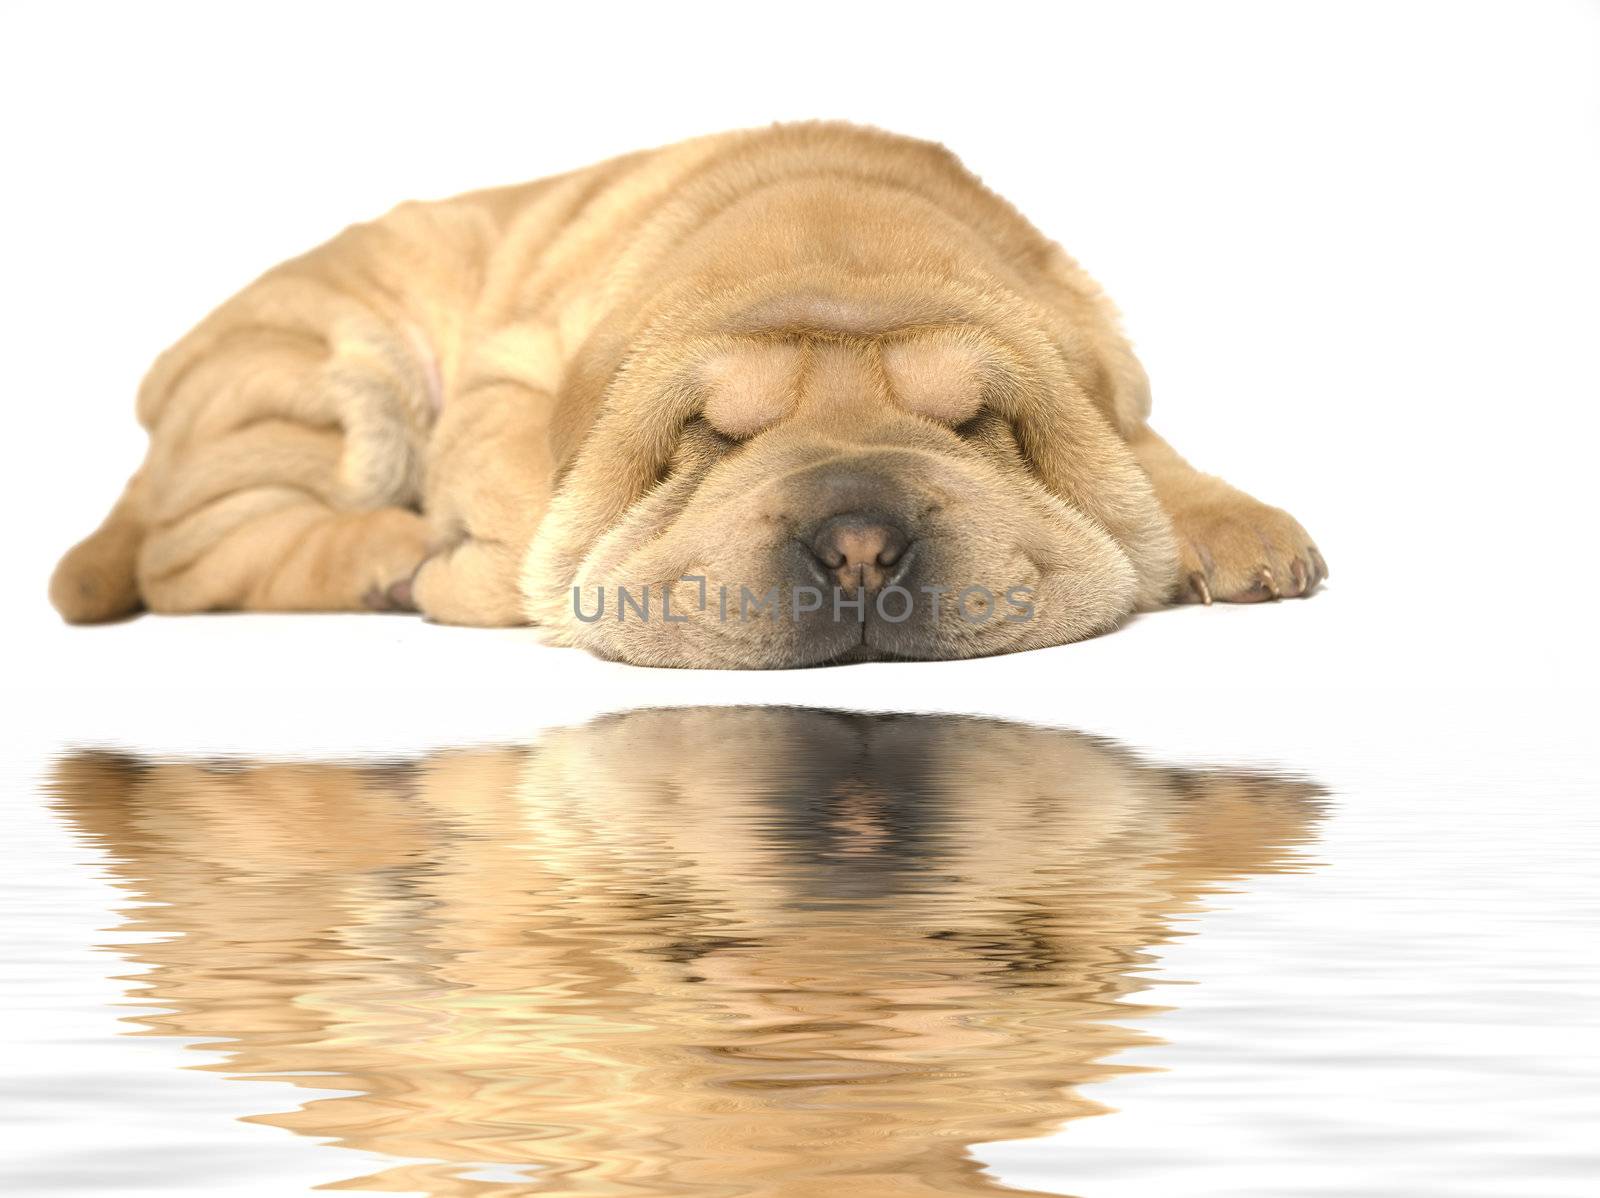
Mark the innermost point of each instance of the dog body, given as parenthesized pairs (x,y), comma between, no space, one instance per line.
(805,358)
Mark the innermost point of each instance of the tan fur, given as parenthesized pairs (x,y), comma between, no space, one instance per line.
(637,371)
(769,952)
(942,375)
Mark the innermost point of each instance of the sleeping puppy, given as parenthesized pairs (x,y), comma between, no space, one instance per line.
(780,397)
(764,951)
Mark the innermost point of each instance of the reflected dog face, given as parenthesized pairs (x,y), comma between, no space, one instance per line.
(761,499)
(765,951)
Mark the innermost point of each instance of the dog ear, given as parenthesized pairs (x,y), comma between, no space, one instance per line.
(582,398)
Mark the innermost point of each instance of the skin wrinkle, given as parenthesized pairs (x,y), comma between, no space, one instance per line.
(601,189)
(564,380)
(716,213)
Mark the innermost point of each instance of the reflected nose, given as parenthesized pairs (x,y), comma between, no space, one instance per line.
(859,550)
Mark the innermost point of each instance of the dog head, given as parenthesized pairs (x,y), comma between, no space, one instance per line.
(804,484)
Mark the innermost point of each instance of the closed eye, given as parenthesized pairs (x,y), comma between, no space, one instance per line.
(699,429)
(984,423)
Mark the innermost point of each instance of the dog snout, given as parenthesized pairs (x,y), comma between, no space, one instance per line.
(874,483)
(860,550)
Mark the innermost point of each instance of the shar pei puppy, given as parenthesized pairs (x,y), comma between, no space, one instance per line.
(769,952)
(788,396)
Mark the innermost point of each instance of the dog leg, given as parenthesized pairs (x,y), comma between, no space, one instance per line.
(258,520)
(275,549)
(1233,549)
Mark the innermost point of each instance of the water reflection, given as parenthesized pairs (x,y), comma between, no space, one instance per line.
(735,951)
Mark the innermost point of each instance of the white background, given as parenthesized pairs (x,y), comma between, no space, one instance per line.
(1357,249)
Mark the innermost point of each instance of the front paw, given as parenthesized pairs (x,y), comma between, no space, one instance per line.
(471,582)
(1234,549)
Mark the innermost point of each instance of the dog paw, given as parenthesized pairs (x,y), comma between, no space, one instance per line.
(471,582)
(394,542)
(1234,549)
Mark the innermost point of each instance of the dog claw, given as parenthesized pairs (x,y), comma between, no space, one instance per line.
(1302,578)
(1197,583)
(1319,563)
(1265,579)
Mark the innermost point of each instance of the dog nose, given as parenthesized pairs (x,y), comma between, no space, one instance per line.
(860,551)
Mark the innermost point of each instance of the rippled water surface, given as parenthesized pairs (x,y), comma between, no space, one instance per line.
(753,951)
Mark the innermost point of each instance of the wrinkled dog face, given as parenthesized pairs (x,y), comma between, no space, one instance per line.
(832,499)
